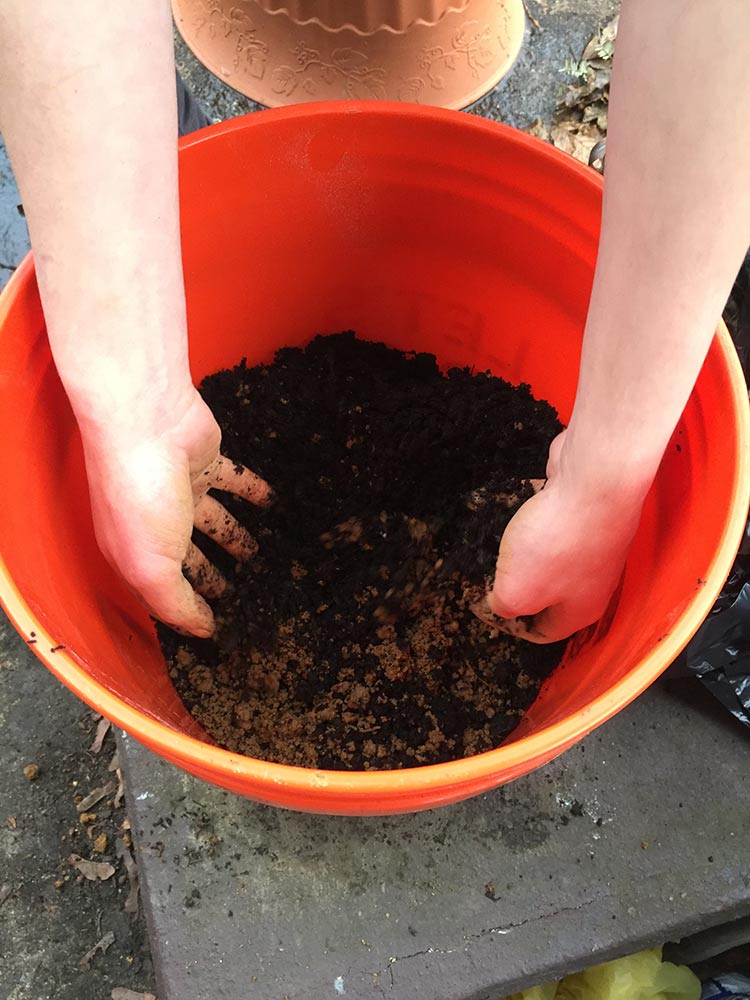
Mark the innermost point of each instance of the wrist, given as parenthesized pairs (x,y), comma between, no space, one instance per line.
(595,465)
(110,402)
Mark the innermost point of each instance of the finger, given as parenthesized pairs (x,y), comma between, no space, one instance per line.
(517,594)
(551,625)
(482,610)
(202,575)
(557,622)
(533,628)
(555,450)
(521,628)
(235,478)
(215,521)
(170,598)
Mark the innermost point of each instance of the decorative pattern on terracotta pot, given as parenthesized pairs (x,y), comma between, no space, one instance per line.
(449,54)
(394,15)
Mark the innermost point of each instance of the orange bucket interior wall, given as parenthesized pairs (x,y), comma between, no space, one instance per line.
(433,231)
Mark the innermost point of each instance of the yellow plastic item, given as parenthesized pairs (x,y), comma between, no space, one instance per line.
(639,977)
(548,992)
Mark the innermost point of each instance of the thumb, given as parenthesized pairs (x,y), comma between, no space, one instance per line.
(519,588)
(169,597)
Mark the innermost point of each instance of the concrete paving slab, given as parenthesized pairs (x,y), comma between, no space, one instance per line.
(49,919)
(636,836)
(14,237)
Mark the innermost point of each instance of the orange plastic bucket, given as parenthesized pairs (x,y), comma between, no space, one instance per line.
(431,230)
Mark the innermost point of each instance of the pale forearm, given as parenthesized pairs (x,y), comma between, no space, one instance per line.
(675,227)
(88,111)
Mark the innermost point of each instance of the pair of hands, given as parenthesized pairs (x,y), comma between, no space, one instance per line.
(560,558)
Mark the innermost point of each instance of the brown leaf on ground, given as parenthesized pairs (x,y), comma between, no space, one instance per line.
(94,871)
(120,994)
(115,762)
(576,138)
(101,946)
(5,891)
(131,903)
(100,844)
(602,46)
(101,731)
(120,789)
(582,115)
(597,113)
(539,129)
(96,795)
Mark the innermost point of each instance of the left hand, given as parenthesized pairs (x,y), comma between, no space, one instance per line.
(562,555)
(149,490)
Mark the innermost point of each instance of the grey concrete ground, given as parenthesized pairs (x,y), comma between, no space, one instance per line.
(636,836)
(14,239)
(49,919)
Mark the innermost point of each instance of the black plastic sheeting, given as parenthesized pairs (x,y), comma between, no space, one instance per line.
(719,653)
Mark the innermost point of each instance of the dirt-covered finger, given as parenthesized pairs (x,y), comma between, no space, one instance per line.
(557,622)
(235,478)
(201,574)
(169,597)
(539,628)
(215,521)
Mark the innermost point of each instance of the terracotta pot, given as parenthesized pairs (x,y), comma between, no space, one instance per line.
(431,230)
(278,52)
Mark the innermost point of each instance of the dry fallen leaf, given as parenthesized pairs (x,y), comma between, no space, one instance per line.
(101,946)
(120,789)
(120,994)
(539,129)
(115,762)
(96,795)
(602,46)
(581,118)
(5,891)
(101,731)
(131,903)
(576,138)
(100,844)
(94,871)
(598,113)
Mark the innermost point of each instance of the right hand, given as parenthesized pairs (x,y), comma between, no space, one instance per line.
(563,553)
